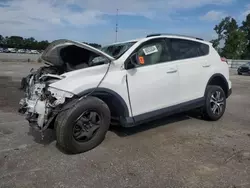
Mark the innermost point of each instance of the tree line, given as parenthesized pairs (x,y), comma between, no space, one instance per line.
(233,40)
(28,43)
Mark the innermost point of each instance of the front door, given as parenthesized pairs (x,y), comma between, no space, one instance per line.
(154,84)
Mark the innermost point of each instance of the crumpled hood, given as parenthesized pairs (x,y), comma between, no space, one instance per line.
(51,54)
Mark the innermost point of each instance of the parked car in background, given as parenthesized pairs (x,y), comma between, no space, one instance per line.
(5,50)
(27,51)
(244,69)
(21,51)
(12,50)
(34,52)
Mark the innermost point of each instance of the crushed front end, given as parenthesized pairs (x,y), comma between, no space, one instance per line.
(41,103)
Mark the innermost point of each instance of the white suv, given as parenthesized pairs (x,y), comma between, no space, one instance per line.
(84,90)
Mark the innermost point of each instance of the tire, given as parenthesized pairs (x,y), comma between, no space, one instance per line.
(210,106)
(65,125)
(239,73)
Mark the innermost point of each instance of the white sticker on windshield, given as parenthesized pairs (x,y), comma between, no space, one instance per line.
(150,50)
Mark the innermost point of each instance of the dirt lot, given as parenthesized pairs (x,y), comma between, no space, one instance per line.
(178,151)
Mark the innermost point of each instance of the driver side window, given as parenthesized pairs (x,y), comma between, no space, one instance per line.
(153,52)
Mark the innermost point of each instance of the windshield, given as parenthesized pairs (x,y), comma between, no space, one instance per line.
(117,50)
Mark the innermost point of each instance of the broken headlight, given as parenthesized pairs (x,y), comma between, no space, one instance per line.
(57,96)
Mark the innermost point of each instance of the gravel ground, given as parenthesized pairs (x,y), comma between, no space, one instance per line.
(12,57)
(179,151)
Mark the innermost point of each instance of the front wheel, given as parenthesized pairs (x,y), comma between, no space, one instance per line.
(239,73)
(84,126)
(215,103)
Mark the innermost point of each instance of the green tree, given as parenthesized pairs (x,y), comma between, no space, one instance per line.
(29,43)
(42,45)
(216,44)
(15,41)
(246,28)
(1,40)
(233,37)
(220,31)
(235,45)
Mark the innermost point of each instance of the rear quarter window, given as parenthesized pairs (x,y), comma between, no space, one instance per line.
(184,49)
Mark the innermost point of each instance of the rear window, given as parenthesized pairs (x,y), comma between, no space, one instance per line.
(184,49)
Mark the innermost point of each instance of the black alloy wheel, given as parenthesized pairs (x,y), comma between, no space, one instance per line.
(86,126)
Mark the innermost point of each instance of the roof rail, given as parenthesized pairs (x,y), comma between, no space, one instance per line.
(159,34)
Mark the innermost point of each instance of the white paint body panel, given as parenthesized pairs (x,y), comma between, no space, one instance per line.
(153,87)
(81,80)
(194,74)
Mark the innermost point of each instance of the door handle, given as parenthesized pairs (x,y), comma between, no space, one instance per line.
(172,71)
(206,65)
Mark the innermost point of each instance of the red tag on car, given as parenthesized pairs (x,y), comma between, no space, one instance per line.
(141,60)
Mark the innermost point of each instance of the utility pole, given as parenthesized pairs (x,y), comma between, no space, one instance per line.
(116,26)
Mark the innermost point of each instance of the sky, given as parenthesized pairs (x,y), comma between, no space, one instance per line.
(95,20)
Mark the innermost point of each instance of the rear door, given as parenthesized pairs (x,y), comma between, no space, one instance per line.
(193,66)
(153,85)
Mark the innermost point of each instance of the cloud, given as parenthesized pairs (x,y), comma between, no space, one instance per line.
(47,11)
(247,11)
(244,13)
(42,18)
(146,8)
(213,15)
(47,19)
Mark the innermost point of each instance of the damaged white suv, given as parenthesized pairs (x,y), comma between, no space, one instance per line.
(82,90)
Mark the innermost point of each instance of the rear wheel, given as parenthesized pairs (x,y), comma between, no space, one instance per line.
(83,127)
(239,73)
(215,103)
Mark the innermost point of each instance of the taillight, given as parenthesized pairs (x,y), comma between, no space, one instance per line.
(223,59)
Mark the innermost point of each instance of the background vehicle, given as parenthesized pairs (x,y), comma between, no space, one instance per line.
(11,50)
(244,69)
(21,51)
(5,50)
(83,90)
(34,52)
(28,51)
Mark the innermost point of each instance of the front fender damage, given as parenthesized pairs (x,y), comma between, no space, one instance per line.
(42,103)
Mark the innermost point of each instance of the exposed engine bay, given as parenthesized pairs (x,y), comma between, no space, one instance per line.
(41,102)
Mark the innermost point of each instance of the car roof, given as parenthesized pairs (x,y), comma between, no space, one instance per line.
(163,35)
(198,39)
(122,42)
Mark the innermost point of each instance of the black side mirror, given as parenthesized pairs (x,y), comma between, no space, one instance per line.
(134,59)
(132,62)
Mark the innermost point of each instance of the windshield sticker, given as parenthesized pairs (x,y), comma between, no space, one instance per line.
(150,50)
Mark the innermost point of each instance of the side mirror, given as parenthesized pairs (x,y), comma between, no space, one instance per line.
(134,61)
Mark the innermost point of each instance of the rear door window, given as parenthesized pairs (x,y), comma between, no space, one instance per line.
(184,49)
